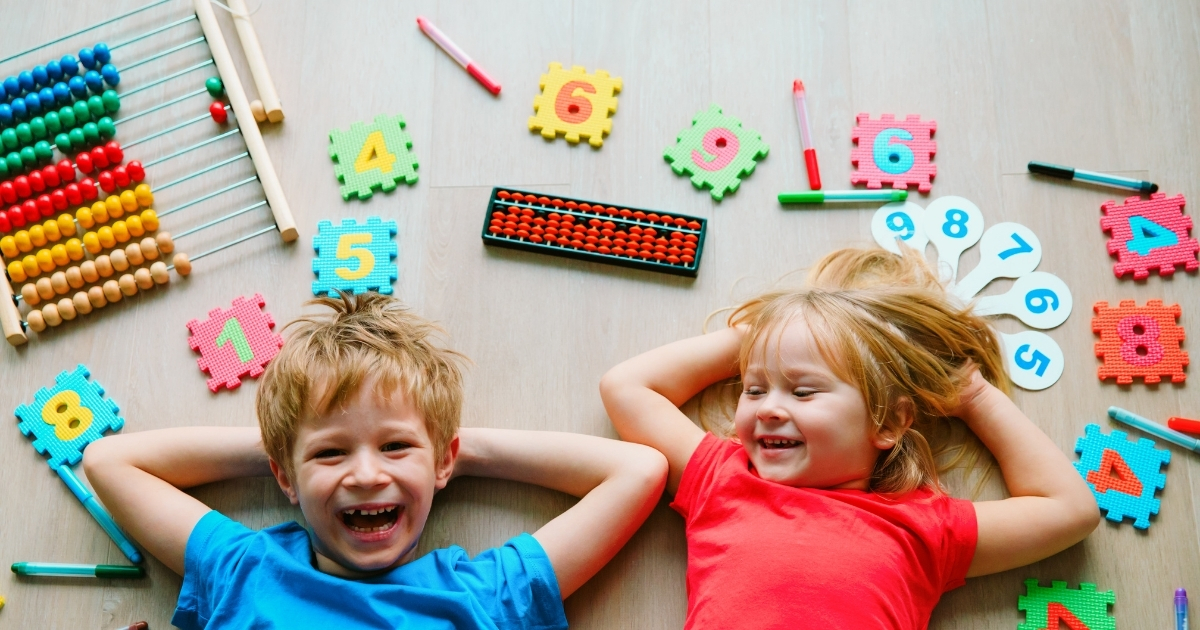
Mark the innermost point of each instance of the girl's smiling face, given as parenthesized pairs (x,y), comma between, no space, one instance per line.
(801,424)
(364,475)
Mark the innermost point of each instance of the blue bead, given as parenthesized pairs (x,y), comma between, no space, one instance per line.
(46,96)
(40,76)
(33,103)
(87,58)
(101,52)
(78,87)
(54,69)
(26,80)
(93,80)
(110,74)
(6,114)
(62,93)
(70,66)
(18,109)
(11,86)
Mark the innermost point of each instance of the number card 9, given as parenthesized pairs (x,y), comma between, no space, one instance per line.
(355,257)
(900,222)
(575,104)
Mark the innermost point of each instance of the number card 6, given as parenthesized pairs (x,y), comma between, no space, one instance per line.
(354,257)
(900,222)
(1033,359)
(1040,299)
(575,104)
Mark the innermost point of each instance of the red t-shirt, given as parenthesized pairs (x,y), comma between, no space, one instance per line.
(765,555)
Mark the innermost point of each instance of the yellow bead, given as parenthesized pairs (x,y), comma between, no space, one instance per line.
(50,229)
(37,235)
(149,220)
(120,231)
(105,234)
(66,224)
(16,271)
(84,216)
(144,197)
(134,223)
(100,212)
(58,254)
(8,247)
(31,267)
(113,203)
(23,241)
(129,201)
(91,242)
(88,270)
(45,260)
(74,249)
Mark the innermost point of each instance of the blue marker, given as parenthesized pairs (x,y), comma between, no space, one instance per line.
(1154,428)
(99,513)
(1066,172)
(1180,609)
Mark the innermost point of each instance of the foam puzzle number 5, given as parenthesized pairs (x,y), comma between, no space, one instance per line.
(346,249)
(354,257)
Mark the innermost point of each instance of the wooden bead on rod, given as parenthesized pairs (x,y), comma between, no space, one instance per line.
(258,64)
(250,133)
(10,317)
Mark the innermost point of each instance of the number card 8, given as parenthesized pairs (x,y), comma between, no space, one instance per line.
(894,152)
(354,257)
(575,104)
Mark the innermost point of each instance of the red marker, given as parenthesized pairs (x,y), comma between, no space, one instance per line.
(458,55)
(1184,425)
(810,154)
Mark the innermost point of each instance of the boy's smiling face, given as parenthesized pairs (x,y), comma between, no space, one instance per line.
(364,475)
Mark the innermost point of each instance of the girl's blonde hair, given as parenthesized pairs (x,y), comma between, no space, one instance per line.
(885,324)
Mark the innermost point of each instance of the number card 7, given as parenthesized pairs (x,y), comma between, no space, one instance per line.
(575,104)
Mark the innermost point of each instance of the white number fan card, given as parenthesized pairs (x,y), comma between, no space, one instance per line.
(1033,359)
(1007,250)
(1040,300)
(953,225)
(899,222)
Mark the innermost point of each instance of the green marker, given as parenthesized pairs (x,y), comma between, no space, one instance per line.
(77,570)
(821,196)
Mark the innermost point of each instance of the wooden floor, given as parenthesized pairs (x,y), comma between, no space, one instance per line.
(1109,85)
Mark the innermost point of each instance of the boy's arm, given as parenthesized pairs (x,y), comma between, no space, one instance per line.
(1051,508)
(619,485)
(139,476)
(643,395)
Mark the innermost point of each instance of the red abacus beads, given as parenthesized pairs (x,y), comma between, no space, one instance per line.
(218,113)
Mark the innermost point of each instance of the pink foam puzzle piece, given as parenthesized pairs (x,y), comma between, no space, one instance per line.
(894,152)
(1162,241)
(235,342)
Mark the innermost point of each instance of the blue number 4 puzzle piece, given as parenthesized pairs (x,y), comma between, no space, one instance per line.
(67,417)
(1123,475)
(355,257)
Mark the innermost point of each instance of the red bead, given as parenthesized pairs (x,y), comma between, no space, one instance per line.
(106,182)
(58,199)
(36,182)
(15,216)
(99,158)
(8,193)
(50,176)
(44,206)
(4,224)
(135,170)
(113,152)
(30,210)
(21,185)
(88,188)
(73,194)
(84,162)
(121,176)
(66,172)
(218,113)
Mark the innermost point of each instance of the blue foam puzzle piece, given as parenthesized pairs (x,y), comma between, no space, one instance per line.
(33,419)
(1142,457)
(332,271)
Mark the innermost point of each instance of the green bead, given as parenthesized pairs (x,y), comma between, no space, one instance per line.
(82,114)
(43,151)
(8,138)
(38,125)
(76,136)
(95,105)
(53,124)
(214,87)
(112,102)
(63,142)
(3,167)
(28,156)
(91,133)
(24,134)
(14,161)
(67,116)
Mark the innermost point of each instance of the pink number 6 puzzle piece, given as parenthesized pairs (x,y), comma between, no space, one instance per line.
(894,152)
(234,342)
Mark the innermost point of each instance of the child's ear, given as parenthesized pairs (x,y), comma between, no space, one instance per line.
(445,467)
(886,437)
(285,484)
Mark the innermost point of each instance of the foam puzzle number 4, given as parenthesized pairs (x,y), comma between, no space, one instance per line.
(1123,475)
(234,342)
(716,151)
(1150,234)
(373,156)
(65,418)
(354,257)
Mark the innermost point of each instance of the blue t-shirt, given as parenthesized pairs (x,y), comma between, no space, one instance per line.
(235,577)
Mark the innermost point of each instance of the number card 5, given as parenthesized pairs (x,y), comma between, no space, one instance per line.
(1033,359)
(575,104)
(354,257)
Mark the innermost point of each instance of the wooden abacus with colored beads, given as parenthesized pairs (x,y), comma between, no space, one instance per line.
(110,248)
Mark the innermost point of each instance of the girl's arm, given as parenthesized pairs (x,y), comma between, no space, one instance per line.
(1051,507)
(618,484)
(139,476)
(643,395)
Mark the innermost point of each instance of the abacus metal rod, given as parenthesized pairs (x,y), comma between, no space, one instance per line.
(219,220)
(161,105)
(167,130)
(230,244)
(85,29)
(208,196)
(168,78)
(162,54)
(202,171)
(192,148)
(154,32)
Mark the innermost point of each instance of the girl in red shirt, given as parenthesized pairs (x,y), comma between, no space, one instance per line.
(823,508)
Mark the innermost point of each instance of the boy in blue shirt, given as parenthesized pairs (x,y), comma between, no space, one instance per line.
(359,424)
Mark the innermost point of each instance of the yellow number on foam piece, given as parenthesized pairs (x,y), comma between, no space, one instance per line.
(346,250)
(68,415)
(374,154)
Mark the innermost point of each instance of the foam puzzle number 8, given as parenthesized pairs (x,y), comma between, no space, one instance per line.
(65,418)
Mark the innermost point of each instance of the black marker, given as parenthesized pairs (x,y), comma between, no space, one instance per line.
(1064,172)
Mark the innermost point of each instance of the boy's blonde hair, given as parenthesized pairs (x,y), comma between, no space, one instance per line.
(327,357)
(886,325)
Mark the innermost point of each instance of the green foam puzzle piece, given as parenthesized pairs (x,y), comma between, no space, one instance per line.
(716,151)
(1085,604)
(373,156)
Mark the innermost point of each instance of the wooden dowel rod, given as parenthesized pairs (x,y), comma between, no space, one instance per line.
(245,120)
(10,317)
(256,61)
